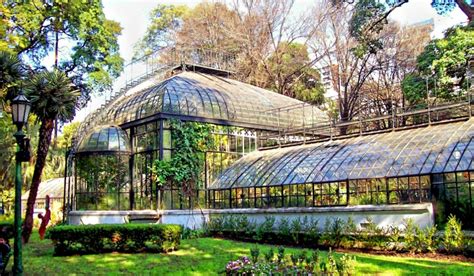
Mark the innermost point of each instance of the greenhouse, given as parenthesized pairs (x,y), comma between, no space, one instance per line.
(269,152)
(117,145)
(400,167)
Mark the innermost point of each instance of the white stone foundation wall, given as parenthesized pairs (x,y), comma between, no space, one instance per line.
(382,215)
(107,217)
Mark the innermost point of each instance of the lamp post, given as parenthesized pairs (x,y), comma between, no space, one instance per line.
(20,110)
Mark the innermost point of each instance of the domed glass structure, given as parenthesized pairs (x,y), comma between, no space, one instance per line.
(103,140)
(101,170)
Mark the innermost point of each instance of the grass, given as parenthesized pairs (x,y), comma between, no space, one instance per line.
(208,256)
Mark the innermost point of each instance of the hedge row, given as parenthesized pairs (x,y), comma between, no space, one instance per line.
(338,233)
(82,239)
(6,229)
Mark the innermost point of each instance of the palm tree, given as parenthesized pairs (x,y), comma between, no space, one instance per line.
(53,96)
(12,70)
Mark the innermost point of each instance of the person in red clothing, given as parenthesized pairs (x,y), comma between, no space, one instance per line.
(44,219)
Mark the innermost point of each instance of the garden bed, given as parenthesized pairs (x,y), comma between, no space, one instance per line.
(341,234)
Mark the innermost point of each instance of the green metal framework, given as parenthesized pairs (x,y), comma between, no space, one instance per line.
(436,149)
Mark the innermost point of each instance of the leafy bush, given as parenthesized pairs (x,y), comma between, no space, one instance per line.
(189,233)
(72,239)
(284,230)
(255,253)
(264,228)
(6,228)
(425,240)
(269,255)
(409,232)
(296,229)
(394,235)
(453,235)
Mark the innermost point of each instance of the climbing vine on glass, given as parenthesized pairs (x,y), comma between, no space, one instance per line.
(190,141)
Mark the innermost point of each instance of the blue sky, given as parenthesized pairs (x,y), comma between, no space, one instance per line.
(133,16)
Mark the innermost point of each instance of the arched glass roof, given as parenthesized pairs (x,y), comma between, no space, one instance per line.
(213,97)
(105,139)
(434,149)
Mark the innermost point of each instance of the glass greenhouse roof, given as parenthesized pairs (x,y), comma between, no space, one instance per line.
(105,139)
(211,97)
(434,149)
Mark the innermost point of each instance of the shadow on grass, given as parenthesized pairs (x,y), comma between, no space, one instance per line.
(206,256)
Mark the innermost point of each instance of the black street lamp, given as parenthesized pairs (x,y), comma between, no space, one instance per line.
(20,110)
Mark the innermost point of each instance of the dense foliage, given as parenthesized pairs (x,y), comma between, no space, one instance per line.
(442,67)
(6,227)
(83,44)
(370,16)
(338,233)
(190,140)
(39,28)
(72,239)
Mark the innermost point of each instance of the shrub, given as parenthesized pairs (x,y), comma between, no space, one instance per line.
(394,235)
(333,232)
(311,230)
(264,228)
(296,228)
(453,235)
(189,233)
(255,253)
(269,255)
(373,235)
(215,224)
(345,265)
(281,254)
(245,225)
(284,230)
(6,228)
(72,239)
(429,242)
(409,235)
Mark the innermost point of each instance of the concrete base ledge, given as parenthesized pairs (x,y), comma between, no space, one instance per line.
(382,215)
(114,213)
(411,208)
(111,217)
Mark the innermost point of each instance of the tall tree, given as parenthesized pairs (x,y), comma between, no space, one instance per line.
(255,32)
(349,69)
(12,71)
(83,44)
(81,39)
(369,16)
(166,20)
(53,96)
(443,66)
(288,72)
(401,45)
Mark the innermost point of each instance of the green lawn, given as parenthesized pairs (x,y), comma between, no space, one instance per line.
(207,256)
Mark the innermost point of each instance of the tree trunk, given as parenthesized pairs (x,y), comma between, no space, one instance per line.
(45,132)
(467,9)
